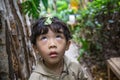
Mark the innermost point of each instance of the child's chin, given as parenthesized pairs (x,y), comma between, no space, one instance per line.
(54,61)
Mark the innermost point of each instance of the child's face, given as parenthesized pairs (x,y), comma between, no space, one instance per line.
(52,46)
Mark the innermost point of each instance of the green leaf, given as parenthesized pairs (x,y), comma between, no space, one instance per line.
(48,21)
(31,7)
(45,3)
(61,5)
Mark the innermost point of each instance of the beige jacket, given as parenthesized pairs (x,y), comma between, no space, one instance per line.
(72,71)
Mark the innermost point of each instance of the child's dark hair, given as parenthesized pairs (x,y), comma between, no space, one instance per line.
(40,28)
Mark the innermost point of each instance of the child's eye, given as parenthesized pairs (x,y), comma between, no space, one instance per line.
(59,37)
(43,38)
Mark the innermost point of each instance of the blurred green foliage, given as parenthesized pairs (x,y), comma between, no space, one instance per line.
(32,7)
(90,25)
(63,10)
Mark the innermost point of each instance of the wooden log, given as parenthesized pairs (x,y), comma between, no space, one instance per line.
(114,65)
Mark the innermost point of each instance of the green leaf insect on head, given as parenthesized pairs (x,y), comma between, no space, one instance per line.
(48,21)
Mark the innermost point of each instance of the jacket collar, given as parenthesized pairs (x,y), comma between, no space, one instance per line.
(42,69)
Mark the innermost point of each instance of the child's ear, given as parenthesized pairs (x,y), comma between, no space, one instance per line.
(68,44)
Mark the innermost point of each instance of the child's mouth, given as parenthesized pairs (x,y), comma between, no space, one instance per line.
(53,54)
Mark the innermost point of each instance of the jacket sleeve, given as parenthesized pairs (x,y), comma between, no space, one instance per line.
(34,76)
(78,72)
(81,75)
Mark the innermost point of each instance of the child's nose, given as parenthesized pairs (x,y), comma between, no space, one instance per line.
(52,44)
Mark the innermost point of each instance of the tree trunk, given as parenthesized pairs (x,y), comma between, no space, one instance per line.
(4,68)
(15,49)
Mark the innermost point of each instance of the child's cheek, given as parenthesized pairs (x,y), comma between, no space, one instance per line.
(60,41)
(43,42)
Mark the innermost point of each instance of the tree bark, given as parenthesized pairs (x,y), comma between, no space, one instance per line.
(16,53)
(4,68)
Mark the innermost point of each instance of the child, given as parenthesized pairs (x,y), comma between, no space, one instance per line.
(51,38)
